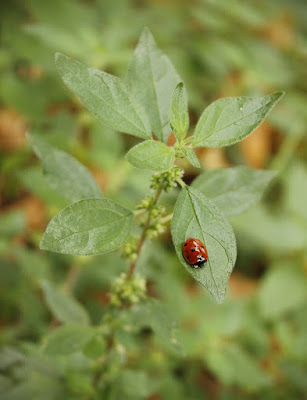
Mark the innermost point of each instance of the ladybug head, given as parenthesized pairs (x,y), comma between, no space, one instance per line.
(201,261)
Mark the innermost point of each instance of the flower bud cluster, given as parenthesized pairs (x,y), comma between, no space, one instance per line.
(146,204)
(125,292)
(129,249)
(178,152)
(167,180)
(155,227)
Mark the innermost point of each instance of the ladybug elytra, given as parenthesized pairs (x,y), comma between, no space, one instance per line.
(194,252)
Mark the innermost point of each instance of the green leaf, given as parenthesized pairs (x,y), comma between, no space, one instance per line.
(229,120)
(68,339)
(152,77)
(33,264)
(105,96)
(64,173)
(295,190)
(88,227)
(34,181)
(9,357)
(154,315)
(191,156)
(63,306)
(95,348)
(235,366)
(152,155)
(195,216)
(179,116)
(131,385)
(280,280)
(35,386)
(234,190)
(279,233)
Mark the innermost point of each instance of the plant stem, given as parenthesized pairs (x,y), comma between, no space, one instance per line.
(143,235)
(138,212)
(167,218)
(286,152)
(181,183)
(71,278)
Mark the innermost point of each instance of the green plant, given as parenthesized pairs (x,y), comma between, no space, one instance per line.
(75,327)
(153,100)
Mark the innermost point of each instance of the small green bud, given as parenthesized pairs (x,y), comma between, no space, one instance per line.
(146,203)
(127,291)
(166,179)
(129,249)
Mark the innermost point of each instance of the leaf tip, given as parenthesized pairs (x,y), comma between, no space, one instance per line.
(146,31)
(219,297)
(29,136)
(57,56)
(280,93)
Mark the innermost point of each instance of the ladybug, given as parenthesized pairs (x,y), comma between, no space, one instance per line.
(194,252)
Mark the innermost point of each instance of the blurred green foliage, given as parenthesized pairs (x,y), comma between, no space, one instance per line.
(254,345)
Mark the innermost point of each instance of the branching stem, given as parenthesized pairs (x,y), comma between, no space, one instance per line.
(143,235)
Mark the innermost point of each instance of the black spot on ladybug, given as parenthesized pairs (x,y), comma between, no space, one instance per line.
(193,249)
(185,244)
(201,247)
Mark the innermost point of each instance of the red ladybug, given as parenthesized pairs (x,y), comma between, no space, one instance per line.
(195,252)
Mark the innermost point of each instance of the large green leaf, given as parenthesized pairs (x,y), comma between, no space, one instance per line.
(35,386)
(229,120)
(34,265)
(131,385)
(34,181)
(64,307)
(234,190)
(153,314)
(282,278)
(64,173)
(88,227)
(179,116)
(235,366)
(105,95)
(152,155)
(197,217)
(68,339)
(153,78)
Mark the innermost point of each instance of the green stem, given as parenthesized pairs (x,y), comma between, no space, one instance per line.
(71,278)
(181,183)
(187,140)
(167,218)
(286,151)
(143,235)
(138,212)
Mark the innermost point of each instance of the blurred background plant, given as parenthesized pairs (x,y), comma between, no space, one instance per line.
(254,345)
